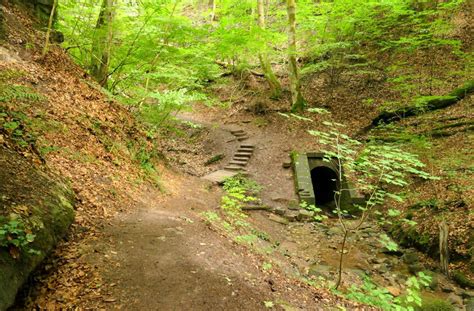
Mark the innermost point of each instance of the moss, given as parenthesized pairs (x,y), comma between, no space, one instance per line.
(433,304)
(462,279)
(50,205)
(214,159)
(408,236)
(2,27)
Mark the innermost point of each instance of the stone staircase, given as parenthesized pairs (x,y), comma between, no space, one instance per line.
(239,160)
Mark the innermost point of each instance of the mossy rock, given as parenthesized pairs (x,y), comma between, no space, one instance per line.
(408,236)
(47,205)
(2,26)
(462,279)
(434,304)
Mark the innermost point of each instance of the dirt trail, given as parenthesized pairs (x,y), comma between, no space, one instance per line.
(163,257)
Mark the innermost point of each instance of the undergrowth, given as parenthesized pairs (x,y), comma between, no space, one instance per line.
(239,191)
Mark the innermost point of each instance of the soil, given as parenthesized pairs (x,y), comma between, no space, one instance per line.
(164,257)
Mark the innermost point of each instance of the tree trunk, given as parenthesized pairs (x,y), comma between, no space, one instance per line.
(100,56)
(428,103)
(443,248)
(50,26)
(297,101)
(272,80)
(212,5)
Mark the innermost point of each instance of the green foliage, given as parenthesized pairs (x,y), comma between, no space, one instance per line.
(268,304)
(388,243)
(14,125)
(18,93)
(371,294)
(145,155)
(316,210)
(430,304)
(165,105)
(238,192)
(13,233)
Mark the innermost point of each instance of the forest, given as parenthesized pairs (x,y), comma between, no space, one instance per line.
(236,155)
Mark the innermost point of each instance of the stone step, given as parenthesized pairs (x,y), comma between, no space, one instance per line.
(247,146)
(242,156)
(220,176)
(242,138)
(241,163)
(233,132)
(248,150)
(244,152)
(234,168)
(239,134)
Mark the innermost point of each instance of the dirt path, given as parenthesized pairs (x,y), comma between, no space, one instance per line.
(163,257)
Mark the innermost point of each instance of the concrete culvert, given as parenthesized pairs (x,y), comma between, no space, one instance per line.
(324,181)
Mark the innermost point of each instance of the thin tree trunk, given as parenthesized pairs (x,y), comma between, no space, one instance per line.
(443,248)
(341,259)
(297,101)
(212,5)
(100,58)
(272,80)
(50,26)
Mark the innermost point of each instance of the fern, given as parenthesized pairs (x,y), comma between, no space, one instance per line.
(19,93)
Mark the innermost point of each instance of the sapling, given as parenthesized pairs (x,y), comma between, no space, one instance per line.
(377,168)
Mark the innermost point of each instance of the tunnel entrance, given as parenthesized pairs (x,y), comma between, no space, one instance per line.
(325,183)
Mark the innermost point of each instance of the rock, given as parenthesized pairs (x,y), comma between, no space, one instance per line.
(410,257)
(455,300)
(394,291)
(359,272)
(319,270)
(434,281)
(390,252)
(280,199)
(279,211)
(50,202)
(470,304)
(278,219)
(286,164)
(291,215)
(467,294)
(304,215)
(334,231)
(377,260)
(447,288)
(415,268)
(220,176)
(462,279)
(380,267)
(293,205)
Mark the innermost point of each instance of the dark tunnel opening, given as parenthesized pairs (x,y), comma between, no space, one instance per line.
(325,183)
